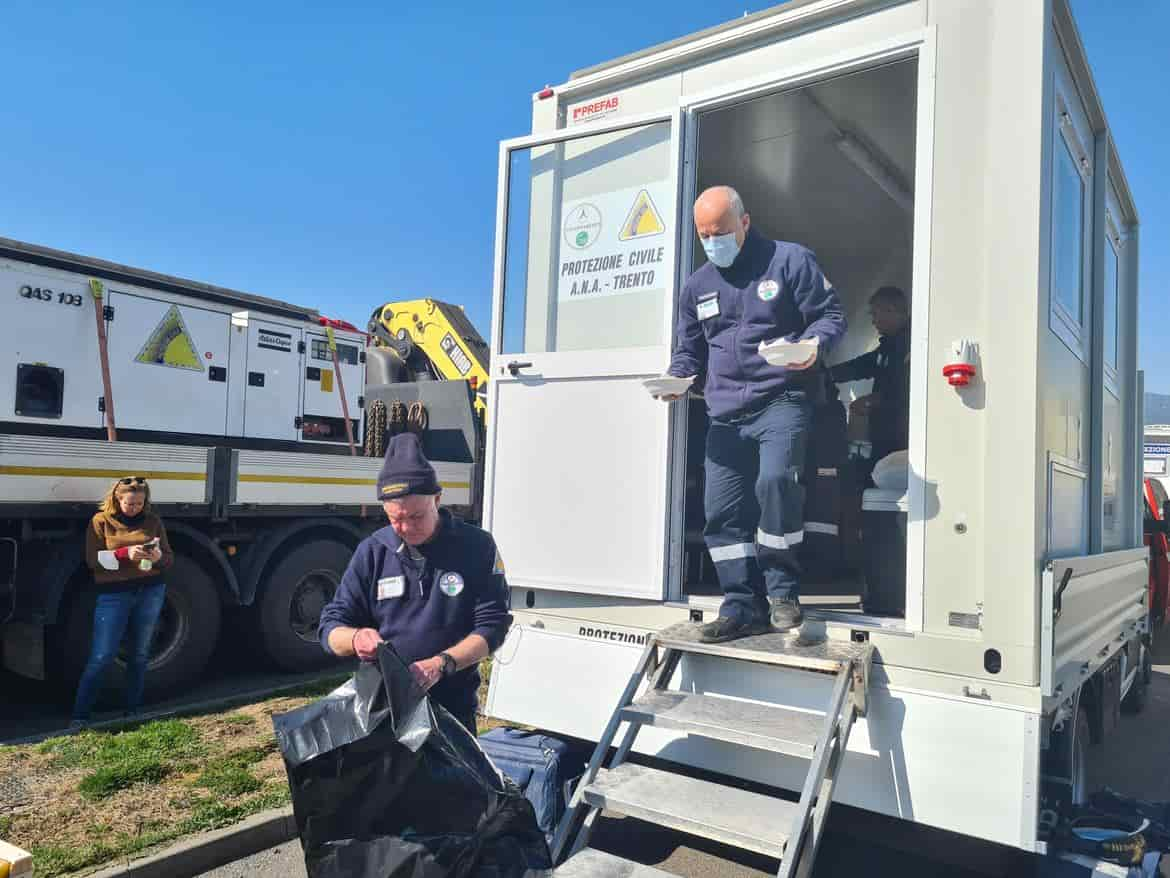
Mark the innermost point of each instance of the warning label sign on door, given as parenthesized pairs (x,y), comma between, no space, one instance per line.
(643,220)
(170,344)
(614,243)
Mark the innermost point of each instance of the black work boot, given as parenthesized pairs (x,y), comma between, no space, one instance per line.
(724,628)
(786,614)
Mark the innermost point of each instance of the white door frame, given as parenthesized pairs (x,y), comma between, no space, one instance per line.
(646,360)
(918,44)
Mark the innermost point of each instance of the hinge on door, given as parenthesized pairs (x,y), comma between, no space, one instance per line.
(361,356)
(101,404)
(300,347)
(298,421)
(107,313)
(361,402)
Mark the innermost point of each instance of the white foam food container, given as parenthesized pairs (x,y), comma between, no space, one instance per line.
(667,385)
(782,352)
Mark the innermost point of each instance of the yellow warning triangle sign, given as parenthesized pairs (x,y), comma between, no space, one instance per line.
(643,219)
(170,344)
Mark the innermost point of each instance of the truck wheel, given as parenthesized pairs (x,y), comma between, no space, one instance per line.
(1135,700)
(294,594)
(184,636)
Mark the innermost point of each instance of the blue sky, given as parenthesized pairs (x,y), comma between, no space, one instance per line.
(345,158)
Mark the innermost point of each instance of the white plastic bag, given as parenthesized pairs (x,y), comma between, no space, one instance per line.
(892,472)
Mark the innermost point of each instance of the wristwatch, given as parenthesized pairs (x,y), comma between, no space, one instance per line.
(449,664)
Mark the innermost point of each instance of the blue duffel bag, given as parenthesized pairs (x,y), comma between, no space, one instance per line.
(544,768)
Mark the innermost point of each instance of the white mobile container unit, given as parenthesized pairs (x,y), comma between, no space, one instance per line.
(957,149)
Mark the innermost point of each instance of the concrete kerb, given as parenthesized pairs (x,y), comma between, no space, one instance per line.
(199,854)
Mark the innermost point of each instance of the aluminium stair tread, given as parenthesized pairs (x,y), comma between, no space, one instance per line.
(789,649)
(592,863)
(721,813)
(762,726)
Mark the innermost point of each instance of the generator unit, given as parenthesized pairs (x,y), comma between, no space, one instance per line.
(184,359)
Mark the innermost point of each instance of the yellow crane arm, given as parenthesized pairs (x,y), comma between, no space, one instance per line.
(442,333)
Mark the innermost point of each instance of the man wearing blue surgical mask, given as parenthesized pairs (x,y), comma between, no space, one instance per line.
(753,290)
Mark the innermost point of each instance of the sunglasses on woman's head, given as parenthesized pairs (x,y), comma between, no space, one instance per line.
(132,480)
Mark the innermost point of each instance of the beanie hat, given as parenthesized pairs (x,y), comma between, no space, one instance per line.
(406,470)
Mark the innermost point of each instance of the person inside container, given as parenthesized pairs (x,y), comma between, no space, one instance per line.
(887,407)
(753,290)
(429,584)
(126,547)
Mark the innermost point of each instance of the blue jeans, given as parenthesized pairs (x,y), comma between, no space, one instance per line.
(754,503)
(116,614)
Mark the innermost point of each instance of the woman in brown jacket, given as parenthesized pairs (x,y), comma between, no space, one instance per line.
(126,548)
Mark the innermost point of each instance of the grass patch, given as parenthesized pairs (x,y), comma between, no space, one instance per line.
(317,688)
(98,797)
(108,779)
(239,719)
(147,754)
(55,859)
(211,814)
(166,740)
(231,777)
(229,781)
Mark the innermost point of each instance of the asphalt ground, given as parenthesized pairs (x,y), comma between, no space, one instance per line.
(842,853)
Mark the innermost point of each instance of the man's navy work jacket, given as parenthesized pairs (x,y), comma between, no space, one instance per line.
(427,600)
(773,289)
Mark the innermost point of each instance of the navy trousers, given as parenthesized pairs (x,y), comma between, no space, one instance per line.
(754,503)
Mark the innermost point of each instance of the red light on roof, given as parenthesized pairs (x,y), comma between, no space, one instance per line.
(546,93)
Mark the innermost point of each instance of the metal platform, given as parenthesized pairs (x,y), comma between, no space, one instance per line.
(790,649)
(769,825)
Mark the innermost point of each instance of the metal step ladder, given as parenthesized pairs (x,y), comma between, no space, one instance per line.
(790,831)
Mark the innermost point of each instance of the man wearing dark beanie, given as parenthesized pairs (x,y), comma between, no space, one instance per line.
(431,585)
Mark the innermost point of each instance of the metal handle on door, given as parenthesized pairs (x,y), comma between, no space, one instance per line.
(514,367)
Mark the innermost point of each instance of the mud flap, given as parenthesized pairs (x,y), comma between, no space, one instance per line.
(24,649)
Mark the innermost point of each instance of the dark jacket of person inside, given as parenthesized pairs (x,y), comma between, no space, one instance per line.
(887,406)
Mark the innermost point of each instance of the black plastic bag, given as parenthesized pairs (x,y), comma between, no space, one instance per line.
(386,785)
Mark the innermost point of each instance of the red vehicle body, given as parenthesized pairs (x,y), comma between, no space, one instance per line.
(1155,531)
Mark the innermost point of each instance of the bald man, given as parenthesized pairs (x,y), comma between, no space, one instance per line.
(752,290)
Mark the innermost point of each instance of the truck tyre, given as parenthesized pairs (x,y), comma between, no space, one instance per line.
(184,636)
(290,603)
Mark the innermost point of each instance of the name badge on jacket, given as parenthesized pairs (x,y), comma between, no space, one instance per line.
(707,306)
(391,587)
